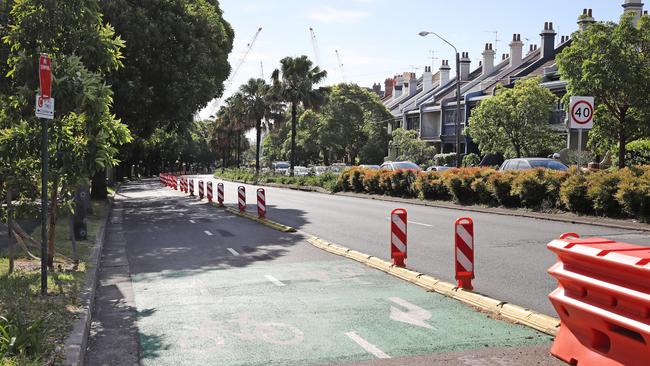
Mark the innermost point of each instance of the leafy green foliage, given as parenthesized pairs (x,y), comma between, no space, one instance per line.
(294,83)
(515,121)
(410,147)
(638,152)
(611,61)
(471,159)
(176,60)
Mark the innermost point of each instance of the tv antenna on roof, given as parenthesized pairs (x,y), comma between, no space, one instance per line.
(496,40)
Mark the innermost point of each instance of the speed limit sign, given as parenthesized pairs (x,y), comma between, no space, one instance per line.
(581,113)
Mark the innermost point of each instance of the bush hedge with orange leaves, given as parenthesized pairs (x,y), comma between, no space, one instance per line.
(614,193)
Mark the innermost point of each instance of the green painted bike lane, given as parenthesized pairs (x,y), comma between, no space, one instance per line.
(298,313)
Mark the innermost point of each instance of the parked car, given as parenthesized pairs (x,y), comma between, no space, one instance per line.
(337,167)
(320,169)
(532,163)
(438,168)
(400,165)
(281,167)
(366,166)
(300,171)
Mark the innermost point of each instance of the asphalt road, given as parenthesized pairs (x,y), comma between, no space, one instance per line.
(511,258)
(186,283)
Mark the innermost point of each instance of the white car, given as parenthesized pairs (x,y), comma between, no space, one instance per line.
(299,171)
(281,167)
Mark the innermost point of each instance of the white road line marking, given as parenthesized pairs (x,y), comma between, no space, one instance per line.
(208,233)
(274,280)
(419,223)
(192,222)
(231,250)
(414,223)
(370,348)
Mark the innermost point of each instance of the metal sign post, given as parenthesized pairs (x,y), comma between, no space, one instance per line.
(581,117)
(45,111)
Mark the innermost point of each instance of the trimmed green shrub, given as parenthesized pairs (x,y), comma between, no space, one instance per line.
(530,186)
(459,185)
(573,194)
(634,195)
(603,186)
(500,185)
(430,186)
(371,182)
(402,183)
(356,180)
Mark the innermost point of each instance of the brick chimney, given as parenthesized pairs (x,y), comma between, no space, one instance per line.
(585,19)
(445,70)
(516,50)
(388,87)
(548,41)
(464,66)
(488,59)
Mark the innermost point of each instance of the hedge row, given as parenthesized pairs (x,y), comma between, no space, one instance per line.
(327,180)
(613,193)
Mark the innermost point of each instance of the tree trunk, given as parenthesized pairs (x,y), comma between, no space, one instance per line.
(326,157)
(258,131)
(622,141)
(9,229)
(98,189)
(293,137)
(238,150)
(54,195)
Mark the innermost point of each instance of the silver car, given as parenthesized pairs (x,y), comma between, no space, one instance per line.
(532,163)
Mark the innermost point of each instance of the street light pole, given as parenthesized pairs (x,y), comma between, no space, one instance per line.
(458,117)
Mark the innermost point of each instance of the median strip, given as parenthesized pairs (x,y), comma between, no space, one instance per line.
(533,319)
(267,222)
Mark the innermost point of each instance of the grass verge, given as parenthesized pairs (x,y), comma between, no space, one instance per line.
(33,327)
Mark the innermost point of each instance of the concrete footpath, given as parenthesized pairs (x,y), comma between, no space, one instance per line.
(186,283)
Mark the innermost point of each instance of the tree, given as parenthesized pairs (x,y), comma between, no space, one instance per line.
(612,63)
(410,147)
(85,135)
(176,60)
(259,105)
(294,83)
(515,121)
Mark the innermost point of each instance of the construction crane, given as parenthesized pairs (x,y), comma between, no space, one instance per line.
(262,70)
(314,44)
(249,46)
(338,60)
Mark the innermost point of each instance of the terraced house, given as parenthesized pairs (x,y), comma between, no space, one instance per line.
(428,103)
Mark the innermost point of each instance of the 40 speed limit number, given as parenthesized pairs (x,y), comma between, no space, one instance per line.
(581,112)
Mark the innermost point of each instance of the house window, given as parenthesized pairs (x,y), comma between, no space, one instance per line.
(450,116)
(413,123)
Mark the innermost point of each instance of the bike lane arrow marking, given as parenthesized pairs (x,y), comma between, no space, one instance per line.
(414,315)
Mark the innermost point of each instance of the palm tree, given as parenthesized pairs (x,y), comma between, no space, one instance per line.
(258,105)
(294,83)
(235,112)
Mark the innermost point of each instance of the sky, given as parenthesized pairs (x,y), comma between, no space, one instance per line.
(377,39)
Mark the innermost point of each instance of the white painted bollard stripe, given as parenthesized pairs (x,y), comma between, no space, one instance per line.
(398,243)
(464,234)
(464,261)
(370,348)
(274,280)
(234,252)
(401,225)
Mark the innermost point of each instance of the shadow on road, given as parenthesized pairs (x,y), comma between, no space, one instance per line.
(176,236)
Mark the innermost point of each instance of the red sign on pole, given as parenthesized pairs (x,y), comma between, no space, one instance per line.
(45,75)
